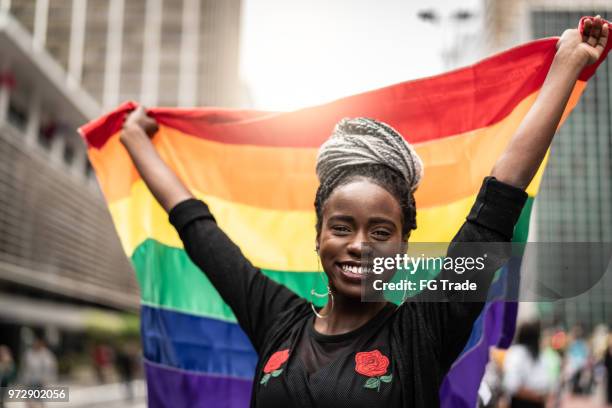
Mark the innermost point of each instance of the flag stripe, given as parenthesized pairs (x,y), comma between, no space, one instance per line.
(196,343)
(167,387)
(240,173)
(488,329)
(168,279)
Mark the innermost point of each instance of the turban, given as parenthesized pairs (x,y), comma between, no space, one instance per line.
(361,141)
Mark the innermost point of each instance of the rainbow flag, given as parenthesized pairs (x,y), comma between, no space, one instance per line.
(256,171)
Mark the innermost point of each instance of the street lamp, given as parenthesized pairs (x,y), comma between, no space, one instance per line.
(451,46)
(428,15)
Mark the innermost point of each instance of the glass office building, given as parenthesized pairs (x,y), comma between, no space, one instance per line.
(575,200)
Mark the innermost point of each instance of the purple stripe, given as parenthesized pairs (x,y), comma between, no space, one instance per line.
(510,313)
(171,388)
(494,327)
(460,386)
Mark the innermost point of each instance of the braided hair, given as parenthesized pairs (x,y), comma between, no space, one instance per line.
(365,148)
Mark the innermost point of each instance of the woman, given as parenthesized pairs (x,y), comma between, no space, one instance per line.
(528,378)
(354,353)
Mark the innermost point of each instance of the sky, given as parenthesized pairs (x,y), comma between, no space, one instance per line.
(300,53)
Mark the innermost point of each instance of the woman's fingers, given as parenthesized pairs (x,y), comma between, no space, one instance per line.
(141,110)
(586,30)
(603,38)
(595,32)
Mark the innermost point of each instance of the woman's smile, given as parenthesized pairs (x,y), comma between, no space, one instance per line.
(353,270)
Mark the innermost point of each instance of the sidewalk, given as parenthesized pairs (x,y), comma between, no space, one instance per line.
(106,395)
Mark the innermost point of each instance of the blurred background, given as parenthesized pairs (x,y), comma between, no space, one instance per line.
(68,297)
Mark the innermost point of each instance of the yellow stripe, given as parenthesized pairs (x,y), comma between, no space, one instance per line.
(271,239)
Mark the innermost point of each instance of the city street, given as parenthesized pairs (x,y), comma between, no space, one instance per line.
(107,395)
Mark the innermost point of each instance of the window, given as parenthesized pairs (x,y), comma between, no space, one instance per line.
(46,133)
(17,116)
(68,154)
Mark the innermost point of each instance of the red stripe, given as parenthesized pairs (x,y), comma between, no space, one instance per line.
(426,109)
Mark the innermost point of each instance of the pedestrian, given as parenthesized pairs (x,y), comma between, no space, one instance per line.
(608,365)
(7,371)
(126,365)
(39,368)
(577,360)
(530,373)
(102,356)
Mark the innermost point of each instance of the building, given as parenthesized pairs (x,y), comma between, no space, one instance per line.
(575,201)
(63,272)
(158,52)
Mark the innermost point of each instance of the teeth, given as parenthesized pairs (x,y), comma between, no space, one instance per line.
(355,269)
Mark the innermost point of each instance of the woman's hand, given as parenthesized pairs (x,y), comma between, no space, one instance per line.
(166,187)
(139,120)
(588,47)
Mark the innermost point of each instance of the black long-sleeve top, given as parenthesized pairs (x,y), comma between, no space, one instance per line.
(398,358)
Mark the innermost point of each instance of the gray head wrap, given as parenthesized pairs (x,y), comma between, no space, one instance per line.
(367,141)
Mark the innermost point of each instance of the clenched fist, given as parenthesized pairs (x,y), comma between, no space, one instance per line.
(138,118)
(588,47)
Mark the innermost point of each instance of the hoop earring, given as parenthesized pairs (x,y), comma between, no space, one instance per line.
(319,295)
(331,296)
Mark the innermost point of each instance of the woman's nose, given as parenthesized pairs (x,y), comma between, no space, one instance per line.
(355,245)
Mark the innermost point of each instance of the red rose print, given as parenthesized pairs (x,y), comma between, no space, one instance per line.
(276,360)
(272,368)
(373,364)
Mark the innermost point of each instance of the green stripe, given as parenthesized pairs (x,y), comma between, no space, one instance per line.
(168,279)
(521,229)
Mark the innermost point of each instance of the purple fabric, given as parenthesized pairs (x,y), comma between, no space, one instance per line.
(466,373)
(494,327)
(171,388)
(510,313)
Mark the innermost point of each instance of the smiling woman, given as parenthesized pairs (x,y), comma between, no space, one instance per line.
(354,353)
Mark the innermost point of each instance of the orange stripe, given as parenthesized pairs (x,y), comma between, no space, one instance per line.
(263,176)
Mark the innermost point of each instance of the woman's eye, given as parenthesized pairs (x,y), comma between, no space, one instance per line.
(381,234)
(340,228)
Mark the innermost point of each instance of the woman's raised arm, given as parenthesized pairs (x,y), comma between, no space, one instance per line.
(165,186)
(498,205)
(527,148)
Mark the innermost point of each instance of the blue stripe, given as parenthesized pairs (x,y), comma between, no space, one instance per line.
(503,288)
(196,343)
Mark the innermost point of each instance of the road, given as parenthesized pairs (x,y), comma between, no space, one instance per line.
(106,395)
